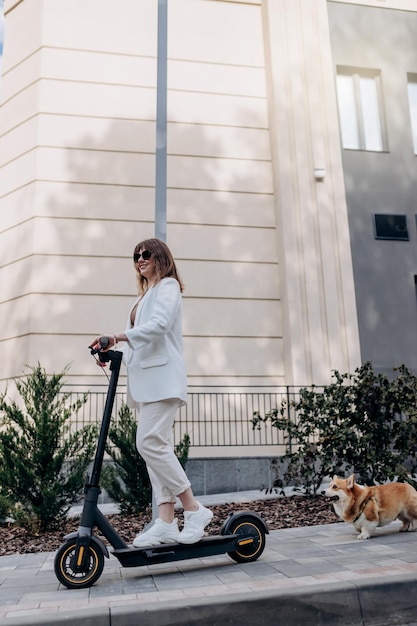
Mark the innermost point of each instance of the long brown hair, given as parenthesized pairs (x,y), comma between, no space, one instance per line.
(164,263)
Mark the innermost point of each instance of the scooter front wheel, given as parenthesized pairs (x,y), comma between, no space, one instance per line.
(71,577)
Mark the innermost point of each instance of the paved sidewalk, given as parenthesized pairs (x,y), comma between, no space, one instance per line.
(307,575)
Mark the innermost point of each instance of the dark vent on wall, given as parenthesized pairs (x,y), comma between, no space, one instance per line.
(391,227)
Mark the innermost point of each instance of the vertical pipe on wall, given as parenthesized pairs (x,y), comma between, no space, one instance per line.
(161,143)
(161,123)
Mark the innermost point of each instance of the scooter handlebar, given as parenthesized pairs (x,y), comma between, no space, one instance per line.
(107,356)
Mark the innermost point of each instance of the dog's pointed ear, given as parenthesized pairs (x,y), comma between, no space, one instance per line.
(350,481)
(334,477)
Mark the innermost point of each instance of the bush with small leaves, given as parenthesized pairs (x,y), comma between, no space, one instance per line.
(363,422)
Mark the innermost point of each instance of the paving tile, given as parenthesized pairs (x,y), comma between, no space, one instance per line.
(258,569)
(130,584)
(28,613)
(178,583)
(112,588)
(8,597)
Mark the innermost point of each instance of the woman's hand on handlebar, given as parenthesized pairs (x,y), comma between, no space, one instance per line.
(102,343)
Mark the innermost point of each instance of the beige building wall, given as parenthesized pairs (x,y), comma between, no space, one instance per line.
(319,311)
(263,246)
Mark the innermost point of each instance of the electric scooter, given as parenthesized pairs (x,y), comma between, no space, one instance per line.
(79,562)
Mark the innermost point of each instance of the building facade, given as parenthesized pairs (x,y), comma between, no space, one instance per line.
(257,211)
(375,64)
(291,186)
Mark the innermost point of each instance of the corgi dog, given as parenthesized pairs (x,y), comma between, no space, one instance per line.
(369,507)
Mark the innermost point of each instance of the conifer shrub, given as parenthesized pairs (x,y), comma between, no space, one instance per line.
(127,480)
(42,463)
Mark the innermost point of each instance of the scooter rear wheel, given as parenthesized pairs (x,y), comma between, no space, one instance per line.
(246,524)
(64,565)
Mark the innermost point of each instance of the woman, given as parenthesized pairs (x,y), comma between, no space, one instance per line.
(157,387)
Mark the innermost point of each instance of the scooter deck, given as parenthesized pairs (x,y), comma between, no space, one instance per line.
(164,553)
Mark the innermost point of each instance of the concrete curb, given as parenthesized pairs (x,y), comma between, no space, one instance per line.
(378,602)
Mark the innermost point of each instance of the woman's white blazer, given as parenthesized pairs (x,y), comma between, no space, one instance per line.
(154,355)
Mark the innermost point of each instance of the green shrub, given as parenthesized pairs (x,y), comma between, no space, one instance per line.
(42,464)
(182,448)
(5,509)
(362,422)
(127,481)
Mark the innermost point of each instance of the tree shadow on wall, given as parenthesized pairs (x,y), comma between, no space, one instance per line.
(221,229)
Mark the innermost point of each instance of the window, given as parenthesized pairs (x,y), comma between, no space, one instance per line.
(412,101)
(391,227)
(360,109)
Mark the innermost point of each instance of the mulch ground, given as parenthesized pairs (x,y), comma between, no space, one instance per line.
(287,512)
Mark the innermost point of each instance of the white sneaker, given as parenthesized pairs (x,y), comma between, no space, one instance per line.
(160,532)
(194,524)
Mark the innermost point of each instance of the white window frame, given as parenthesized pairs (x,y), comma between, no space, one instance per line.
(361,116)
(412,103)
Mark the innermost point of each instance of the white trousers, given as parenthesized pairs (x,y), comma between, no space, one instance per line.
(154,441)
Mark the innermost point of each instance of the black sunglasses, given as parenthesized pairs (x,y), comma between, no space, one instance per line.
(145,254)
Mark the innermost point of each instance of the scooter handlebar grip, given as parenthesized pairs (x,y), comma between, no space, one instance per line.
(102,345)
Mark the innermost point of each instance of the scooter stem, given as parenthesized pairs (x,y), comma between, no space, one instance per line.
(115,359)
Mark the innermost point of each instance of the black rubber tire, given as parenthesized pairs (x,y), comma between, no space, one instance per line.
(65,572)
(247,525)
